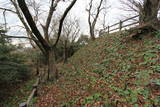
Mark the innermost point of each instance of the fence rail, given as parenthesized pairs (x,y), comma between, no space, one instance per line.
(121,26)
(33,94)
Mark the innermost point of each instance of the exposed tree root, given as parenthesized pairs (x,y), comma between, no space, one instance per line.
(138,32)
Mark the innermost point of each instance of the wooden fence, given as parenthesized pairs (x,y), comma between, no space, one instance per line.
(120,25)
(33,94)
(41,78)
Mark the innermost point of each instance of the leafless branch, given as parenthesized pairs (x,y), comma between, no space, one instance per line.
(18,37)
(9,10)
(94,17)
(29,32)
(62,19)
(26,13)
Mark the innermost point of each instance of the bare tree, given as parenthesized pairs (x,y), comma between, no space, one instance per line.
(146,9)
(71,31)
(93,17)
(42,41)
(104,18)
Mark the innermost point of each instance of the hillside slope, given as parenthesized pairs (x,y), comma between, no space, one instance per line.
(113,71)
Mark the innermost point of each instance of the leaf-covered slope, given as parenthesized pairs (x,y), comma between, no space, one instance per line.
(112,71)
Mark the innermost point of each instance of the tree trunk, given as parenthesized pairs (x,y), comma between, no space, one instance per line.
(52,69)
(65,52)
(45,33)
(149,11)
(92,33)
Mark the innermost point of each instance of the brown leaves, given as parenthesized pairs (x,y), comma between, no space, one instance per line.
(119,63)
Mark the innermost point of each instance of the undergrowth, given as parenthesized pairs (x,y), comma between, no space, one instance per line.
(114,70)
(20,95)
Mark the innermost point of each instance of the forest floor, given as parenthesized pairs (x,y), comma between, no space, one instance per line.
(112,71)
(13,95)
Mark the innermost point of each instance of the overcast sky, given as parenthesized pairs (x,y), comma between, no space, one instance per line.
(114,14)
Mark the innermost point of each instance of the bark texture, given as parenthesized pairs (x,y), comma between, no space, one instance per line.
(52,66)
(149,11)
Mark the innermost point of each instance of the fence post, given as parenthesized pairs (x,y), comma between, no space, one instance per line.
(108,29)
(37,67)
(120,25)
(24,104)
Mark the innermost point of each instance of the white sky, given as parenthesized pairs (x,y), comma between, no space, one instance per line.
(79,10)
(114,13)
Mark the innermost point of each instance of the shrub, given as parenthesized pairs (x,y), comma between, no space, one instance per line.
(157,34)
(12,63)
